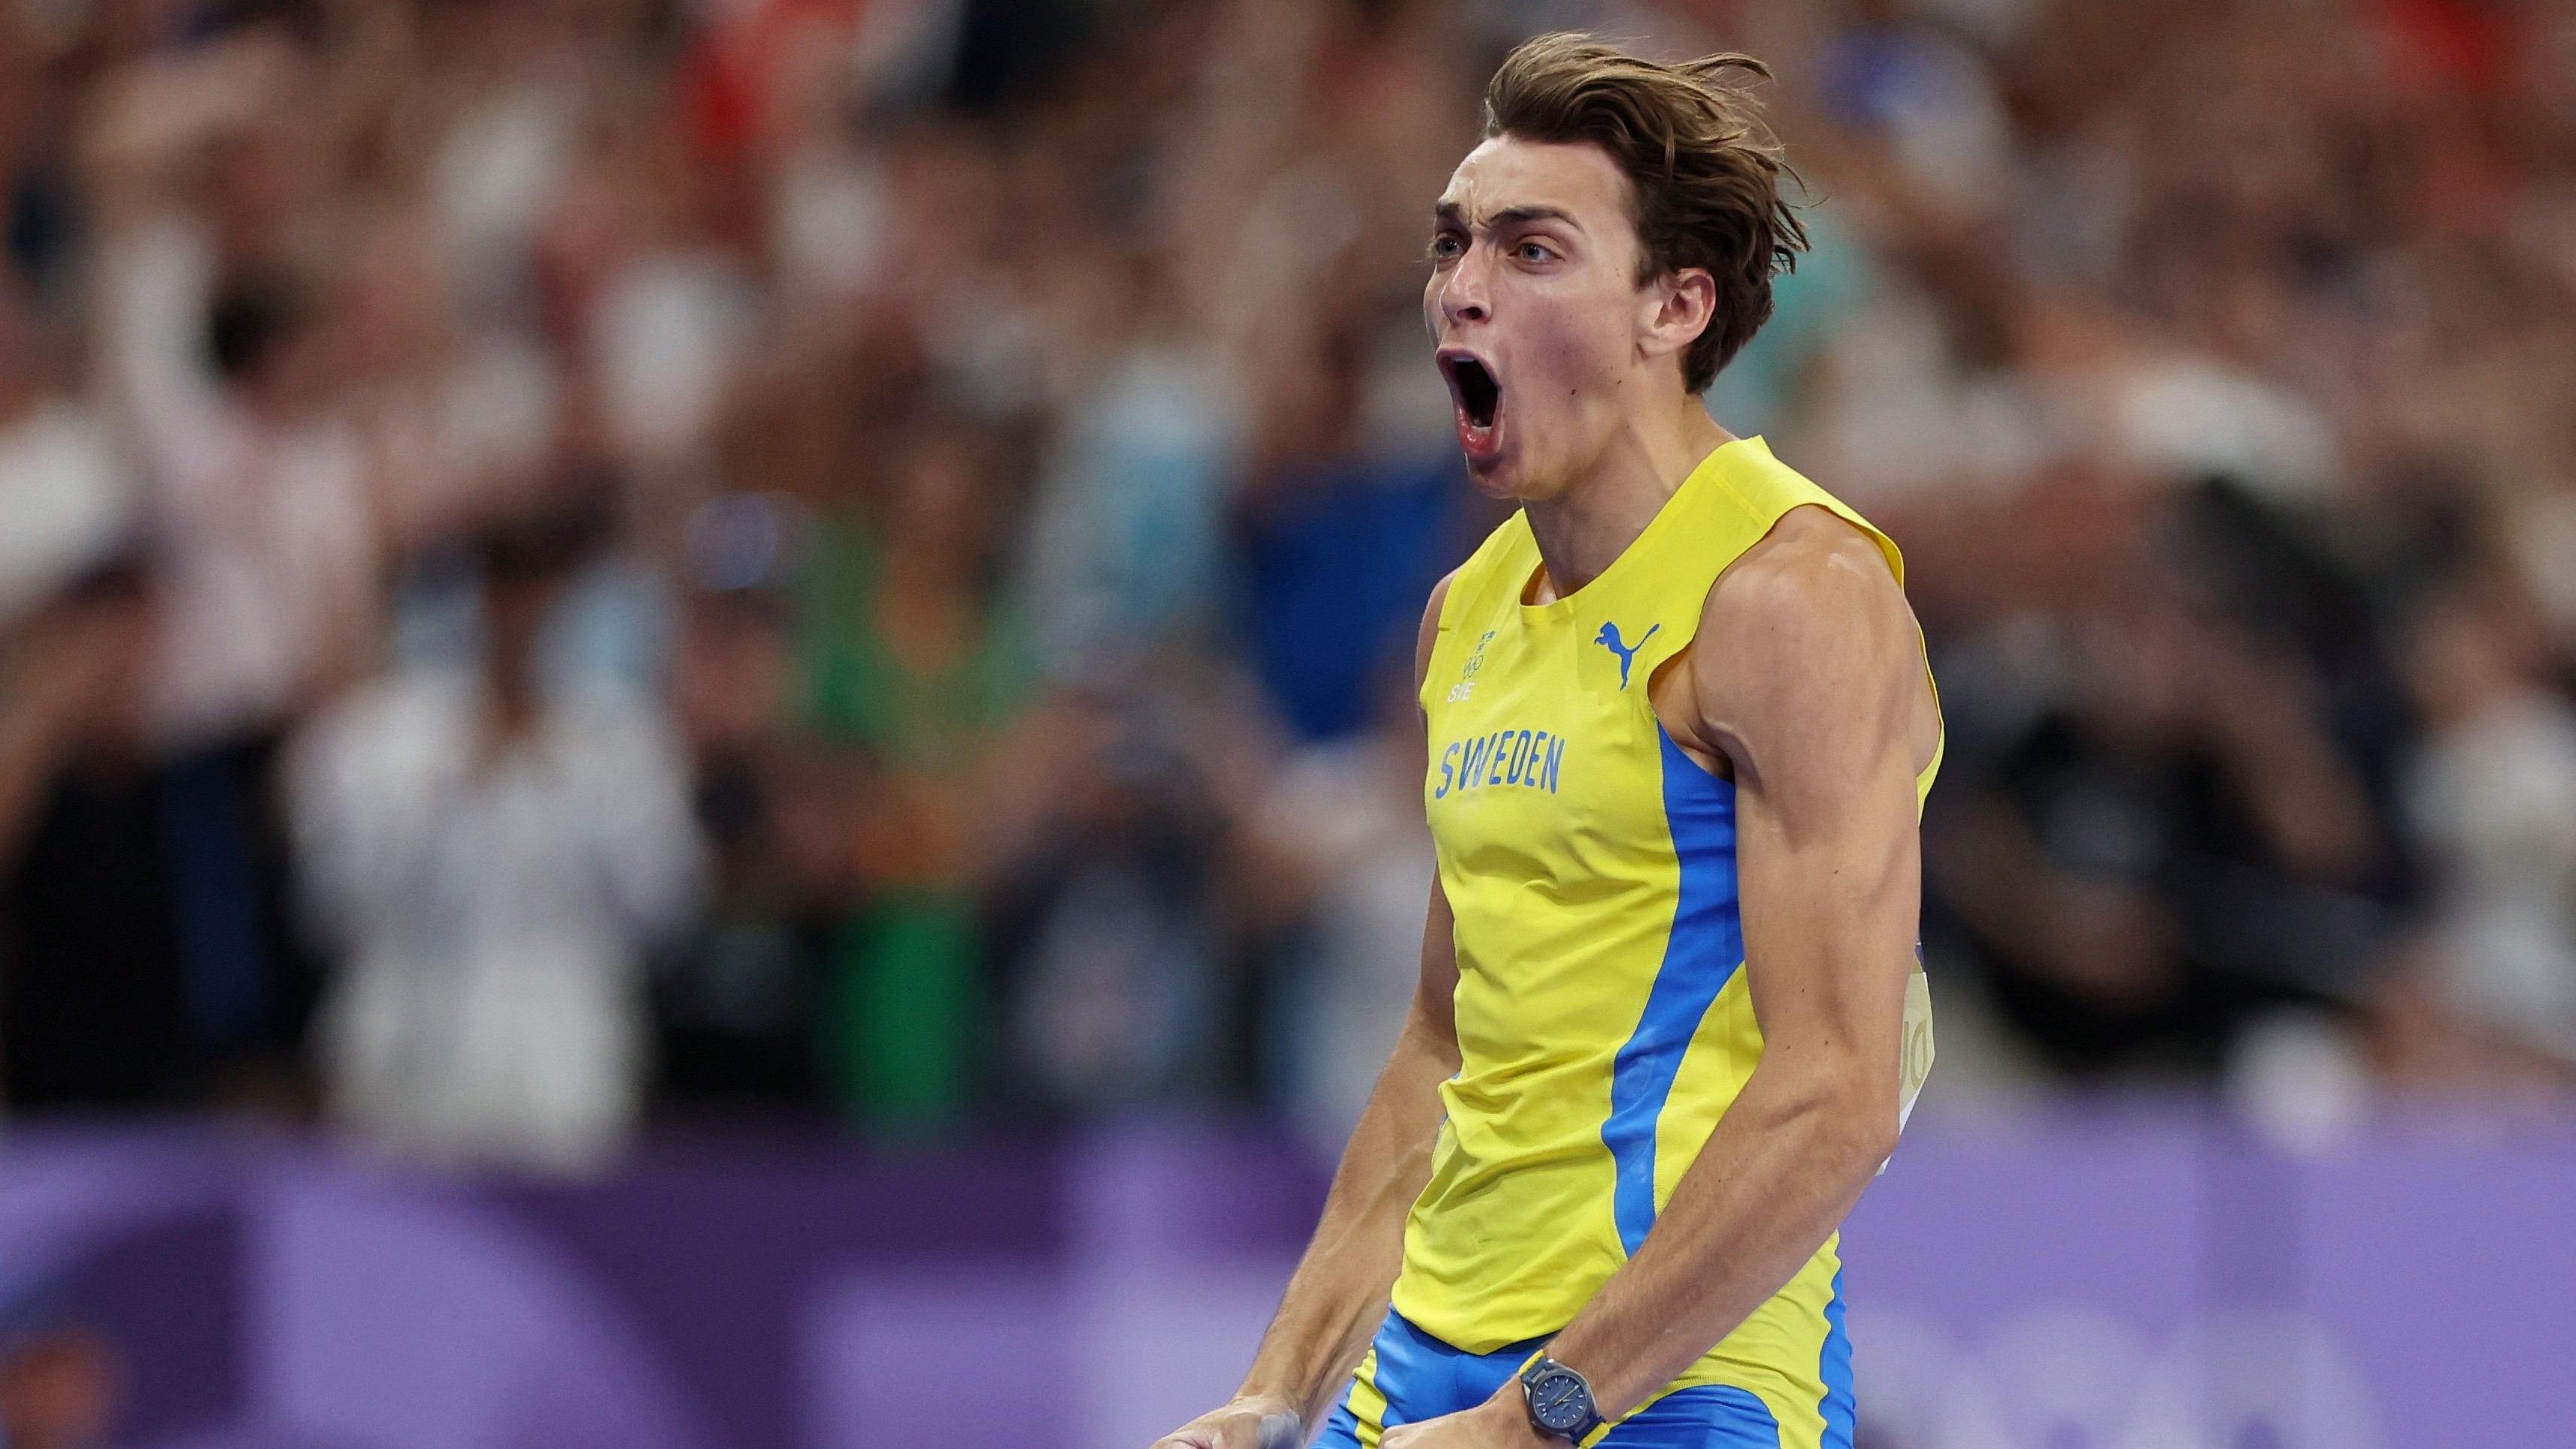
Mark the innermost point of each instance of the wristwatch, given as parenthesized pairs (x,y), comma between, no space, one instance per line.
(1560,1401)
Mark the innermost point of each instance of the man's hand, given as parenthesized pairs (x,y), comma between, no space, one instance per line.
(1501,1422)
(1253,1421)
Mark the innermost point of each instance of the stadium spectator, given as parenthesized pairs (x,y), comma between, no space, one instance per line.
(909,655)
(149,958)
(492,859)
(2492,798)
(740,999)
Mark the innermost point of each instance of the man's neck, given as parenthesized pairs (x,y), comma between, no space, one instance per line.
(1592,521)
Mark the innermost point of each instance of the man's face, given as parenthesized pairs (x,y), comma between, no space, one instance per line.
(1535,312)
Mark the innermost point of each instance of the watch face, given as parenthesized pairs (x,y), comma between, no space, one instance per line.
(1559,1401)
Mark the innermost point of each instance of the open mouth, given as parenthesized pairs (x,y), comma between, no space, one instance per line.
(1480,398)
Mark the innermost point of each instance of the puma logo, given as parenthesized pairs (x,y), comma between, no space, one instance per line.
(1608,639)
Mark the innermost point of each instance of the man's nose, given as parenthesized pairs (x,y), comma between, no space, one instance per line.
(1464,296)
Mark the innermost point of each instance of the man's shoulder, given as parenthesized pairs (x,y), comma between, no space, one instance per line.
(1812,568)
(1811,617)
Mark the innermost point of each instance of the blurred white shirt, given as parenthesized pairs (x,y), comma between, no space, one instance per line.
(267,535)
(492,918)
(268,574)
(2494,801)
(65,495)
(1343,811)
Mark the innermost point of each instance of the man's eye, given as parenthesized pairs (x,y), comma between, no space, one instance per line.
(1533,252)
(1445,247)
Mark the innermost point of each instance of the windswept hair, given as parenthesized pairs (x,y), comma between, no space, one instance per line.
(1703,173)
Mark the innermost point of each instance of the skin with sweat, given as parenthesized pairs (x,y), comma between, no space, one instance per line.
(1805,685)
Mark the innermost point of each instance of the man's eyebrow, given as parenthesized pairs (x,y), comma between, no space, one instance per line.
(1447,213)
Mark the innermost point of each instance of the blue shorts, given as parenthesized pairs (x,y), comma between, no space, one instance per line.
(1423,1378)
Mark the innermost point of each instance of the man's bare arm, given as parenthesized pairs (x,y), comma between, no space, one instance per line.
(1340,1288)
(1807,676)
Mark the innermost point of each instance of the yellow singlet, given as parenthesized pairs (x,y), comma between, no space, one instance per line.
(1603,1017)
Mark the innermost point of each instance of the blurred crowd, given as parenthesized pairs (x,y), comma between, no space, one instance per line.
(569,563)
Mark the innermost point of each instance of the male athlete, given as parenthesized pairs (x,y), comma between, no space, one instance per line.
(1670,1013)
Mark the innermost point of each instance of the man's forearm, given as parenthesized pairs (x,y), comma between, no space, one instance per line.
(1340,1288)
(1779,1172)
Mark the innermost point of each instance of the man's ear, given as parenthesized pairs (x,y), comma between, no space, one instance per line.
(1676,310)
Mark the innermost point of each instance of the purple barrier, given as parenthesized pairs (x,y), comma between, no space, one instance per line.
(2146,1280)
(2140,1281)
